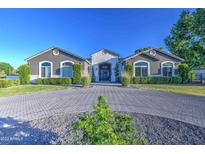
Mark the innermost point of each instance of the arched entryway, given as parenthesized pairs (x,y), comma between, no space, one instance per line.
(105,72)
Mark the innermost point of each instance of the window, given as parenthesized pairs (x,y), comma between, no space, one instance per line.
(67,69)
(167,69)
(46,70)
(141,69)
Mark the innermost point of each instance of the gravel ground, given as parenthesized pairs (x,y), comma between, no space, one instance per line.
(56,130)
(158,130)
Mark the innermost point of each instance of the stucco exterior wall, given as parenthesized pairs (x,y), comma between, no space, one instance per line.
(104,57)
(56,60)
(155,62)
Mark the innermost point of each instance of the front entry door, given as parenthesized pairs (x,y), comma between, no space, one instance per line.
(105,72)
(105,75)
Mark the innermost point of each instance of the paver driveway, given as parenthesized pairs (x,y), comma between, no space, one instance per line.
(28,107)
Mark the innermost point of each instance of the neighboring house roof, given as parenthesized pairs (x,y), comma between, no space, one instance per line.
(89,59)
(60,49)
(199,68)
(106,50)
(146,51)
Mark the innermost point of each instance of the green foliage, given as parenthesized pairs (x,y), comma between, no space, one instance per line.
(187,38)
(77,71)
(54,81)
(39,81)
(24,72)
(191,75)
(16,82)
(7,68)
(157,80)
(105,127)
(5,83)
(66,81)
(183,72)
(125,81)
(93,74)
(117,72)
(147,48)
(2,74)
(143,49)
(129,69)
(86,81)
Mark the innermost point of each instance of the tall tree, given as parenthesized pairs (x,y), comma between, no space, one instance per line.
(6,67)
(187,38)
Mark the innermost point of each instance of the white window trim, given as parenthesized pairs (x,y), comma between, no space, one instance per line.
(138,61)
(173,69)
(40,63)
(61,66)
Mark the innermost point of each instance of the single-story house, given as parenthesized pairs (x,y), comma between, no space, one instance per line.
(56,62)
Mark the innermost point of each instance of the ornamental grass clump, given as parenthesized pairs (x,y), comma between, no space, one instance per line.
(86,80)
(105,127)
(125,80)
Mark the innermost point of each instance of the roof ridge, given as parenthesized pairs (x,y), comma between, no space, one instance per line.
(113,52)
(61,49)
(138,53)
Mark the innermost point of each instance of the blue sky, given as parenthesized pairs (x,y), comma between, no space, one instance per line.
(24,32)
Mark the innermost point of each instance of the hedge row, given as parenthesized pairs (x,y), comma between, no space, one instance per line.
(157,80)
(54,81)
(5,83)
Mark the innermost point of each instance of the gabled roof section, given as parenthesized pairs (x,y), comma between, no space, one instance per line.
(144,52)
(169,54)
(150,56)
(60,49)
(108,51)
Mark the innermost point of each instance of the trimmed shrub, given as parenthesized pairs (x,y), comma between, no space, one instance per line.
(39,81)
(191,75)
(24,72)
(183,72)
(129,71)
(117,72)
(66,81)
(105,127)
(5,83)
(93,75)
(86,81)
(54,81)
(16,82)
(125,80)
(156,80)
(77,71)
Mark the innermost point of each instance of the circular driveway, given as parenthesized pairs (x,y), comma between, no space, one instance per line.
(186,108)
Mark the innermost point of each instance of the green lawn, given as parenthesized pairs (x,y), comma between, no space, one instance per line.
(182,89)
(27,89)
